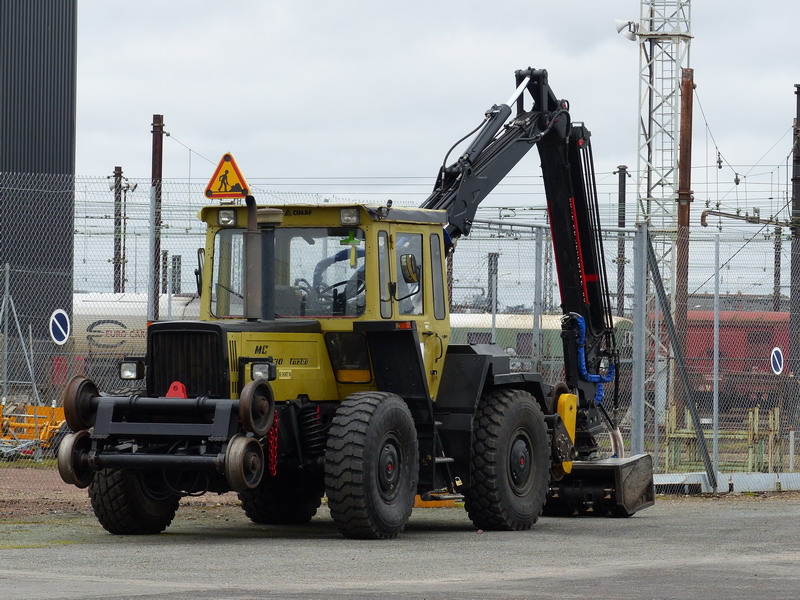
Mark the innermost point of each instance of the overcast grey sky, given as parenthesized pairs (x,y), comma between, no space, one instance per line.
(321,89)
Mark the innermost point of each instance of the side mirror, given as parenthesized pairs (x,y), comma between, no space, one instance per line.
(198,272)
(409,268)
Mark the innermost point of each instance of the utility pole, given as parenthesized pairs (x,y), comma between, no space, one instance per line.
(622,171)
(118,278)
(155,208)
(776,275)
(794,294)
(684,201)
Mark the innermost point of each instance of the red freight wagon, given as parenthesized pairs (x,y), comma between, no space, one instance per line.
(746,341)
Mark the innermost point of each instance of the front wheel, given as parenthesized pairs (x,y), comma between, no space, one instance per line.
(371,465)
(124,505)
(510,462)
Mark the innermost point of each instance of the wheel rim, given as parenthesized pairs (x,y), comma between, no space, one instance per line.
(257,407)
(244,463)
(389,467)
(71,465)
(77,402)
(520,463)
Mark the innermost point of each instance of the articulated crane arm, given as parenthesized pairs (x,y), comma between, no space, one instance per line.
(500,142)
(498,146)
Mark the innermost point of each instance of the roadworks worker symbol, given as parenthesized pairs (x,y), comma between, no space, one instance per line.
(227,181)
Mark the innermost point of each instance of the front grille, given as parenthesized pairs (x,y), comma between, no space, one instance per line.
(193,353)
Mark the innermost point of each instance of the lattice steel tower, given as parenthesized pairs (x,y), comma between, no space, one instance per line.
(664,34)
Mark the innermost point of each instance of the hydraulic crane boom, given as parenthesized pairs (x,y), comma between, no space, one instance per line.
(462,186)
(568,173)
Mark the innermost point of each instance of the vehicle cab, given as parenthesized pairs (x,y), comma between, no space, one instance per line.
(353,269)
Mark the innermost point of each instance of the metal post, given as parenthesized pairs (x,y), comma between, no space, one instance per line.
(794,289)
(155,200)
(660,366)
(164,273)
(25,355)
(684,201)
(639,339)
(6,310)
(536,336)
(794,294)
(622,170)
(680,365)
(152,263)
(715,416)
(791,451)
(493,260)
(117,230)
(168,271)
(175,279)
(776,275)
(124,256)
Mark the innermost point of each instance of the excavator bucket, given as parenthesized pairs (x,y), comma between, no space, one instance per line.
(615,487)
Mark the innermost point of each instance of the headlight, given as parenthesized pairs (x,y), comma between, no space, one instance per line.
(131,369)
(226,217)
(348,216)
(265,370)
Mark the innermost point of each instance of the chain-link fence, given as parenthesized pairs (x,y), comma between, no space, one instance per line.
(737,363)
(504,289)
(740,380)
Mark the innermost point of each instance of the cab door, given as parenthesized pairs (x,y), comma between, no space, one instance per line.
(418,292)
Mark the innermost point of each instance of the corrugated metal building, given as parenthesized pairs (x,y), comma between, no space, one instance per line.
(38,47)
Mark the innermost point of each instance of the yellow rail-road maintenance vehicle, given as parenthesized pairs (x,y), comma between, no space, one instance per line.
(322,364)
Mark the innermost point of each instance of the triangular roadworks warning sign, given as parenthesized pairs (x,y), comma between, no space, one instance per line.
(227,181)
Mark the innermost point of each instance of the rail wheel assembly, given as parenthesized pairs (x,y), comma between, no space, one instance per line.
(257,407)
(244,463)
(72,465)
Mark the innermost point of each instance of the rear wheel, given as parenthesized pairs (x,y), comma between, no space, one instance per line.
(286,499)
(510,462)
(125,506)
(372,465)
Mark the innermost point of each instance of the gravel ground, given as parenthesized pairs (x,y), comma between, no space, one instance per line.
(27,492)
(30,492)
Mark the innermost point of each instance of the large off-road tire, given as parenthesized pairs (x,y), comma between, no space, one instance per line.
(510,464)
(371,465)
(286,499)
(125,507)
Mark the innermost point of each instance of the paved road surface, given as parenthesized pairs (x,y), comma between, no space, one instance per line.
(734,547)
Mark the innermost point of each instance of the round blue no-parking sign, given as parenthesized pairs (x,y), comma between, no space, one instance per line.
(59,326)
(776,361)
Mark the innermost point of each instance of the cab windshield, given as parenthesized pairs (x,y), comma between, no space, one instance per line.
(319,272)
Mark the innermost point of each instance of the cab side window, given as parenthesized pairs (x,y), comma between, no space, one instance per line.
(384,274)
(408,259)
(437,284)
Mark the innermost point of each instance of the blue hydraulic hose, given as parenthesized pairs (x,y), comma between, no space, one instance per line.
(598,379)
